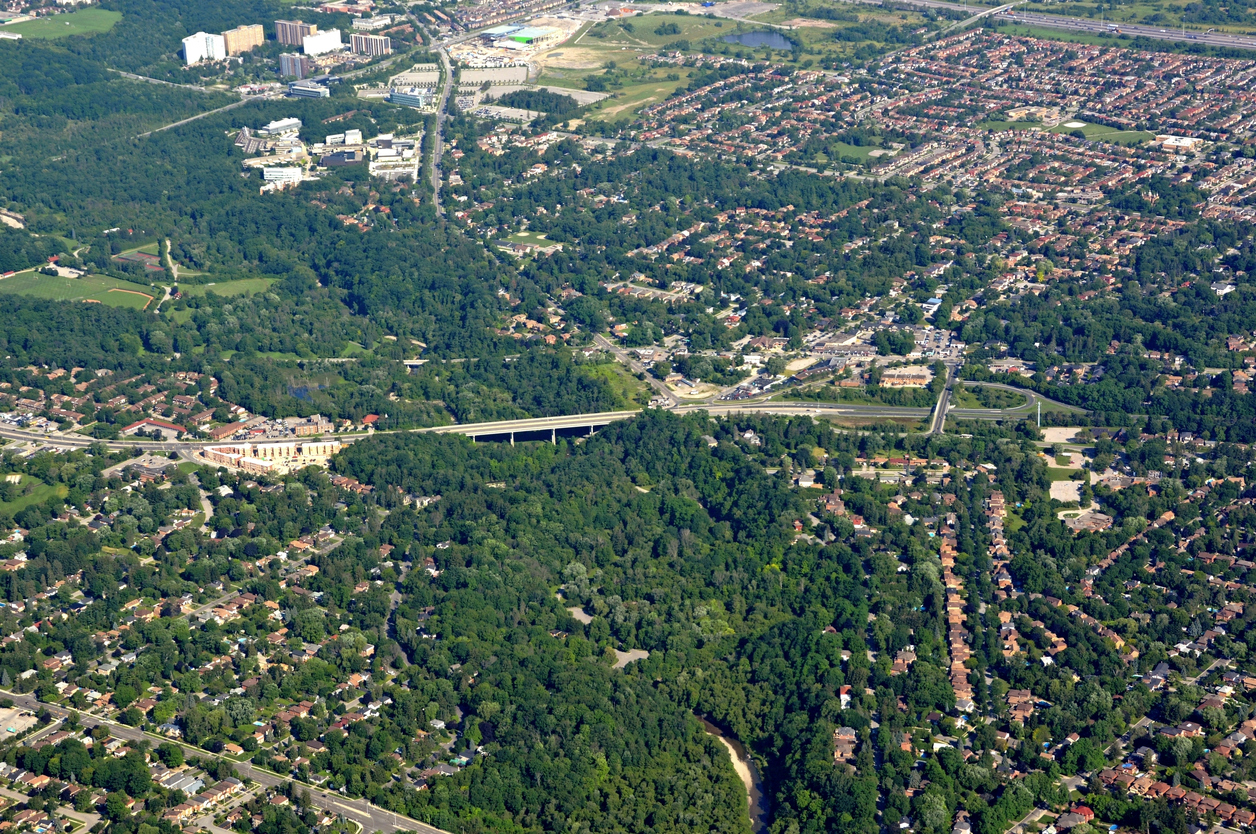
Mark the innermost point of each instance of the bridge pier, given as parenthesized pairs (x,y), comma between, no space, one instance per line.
(554,436)
(512,438)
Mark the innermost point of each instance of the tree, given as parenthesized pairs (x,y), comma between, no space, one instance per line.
(171,755)
(116,807)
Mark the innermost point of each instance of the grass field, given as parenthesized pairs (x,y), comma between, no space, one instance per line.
(39,493)
(629,390)
(979,396)
(92,288)
(630,98)
(242,286)
(1103,133)
(83,22)
(527,237)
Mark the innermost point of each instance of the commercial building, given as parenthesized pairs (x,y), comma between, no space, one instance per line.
(203,47)
(280,127)
(373,45)
(272,457)
(284,175)
(512,36)
(320,43)
(308,89)
(370,24)
(293,32)
(244,38)
(291,64)
(419,97)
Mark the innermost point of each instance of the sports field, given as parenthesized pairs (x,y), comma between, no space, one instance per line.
(91,289)
(83,22)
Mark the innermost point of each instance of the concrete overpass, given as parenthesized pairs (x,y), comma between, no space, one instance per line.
(551,428)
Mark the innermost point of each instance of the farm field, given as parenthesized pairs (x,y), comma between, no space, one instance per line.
(91,288)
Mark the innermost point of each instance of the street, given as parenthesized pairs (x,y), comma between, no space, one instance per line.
(370,817)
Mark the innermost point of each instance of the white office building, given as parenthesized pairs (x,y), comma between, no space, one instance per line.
(204,47)
(284,175)
(322,42)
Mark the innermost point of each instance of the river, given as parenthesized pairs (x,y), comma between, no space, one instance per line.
(749,775)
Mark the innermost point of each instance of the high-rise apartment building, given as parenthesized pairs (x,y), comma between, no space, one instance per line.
(293,32)
(374,45)
(244,38)
(294,65)
(321,42)
(203,47)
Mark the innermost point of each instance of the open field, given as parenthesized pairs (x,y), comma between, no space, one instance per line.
(626,101)
(1103,133)
(39,493)
(628,389)
(92,289)
(90,21)
(242,286)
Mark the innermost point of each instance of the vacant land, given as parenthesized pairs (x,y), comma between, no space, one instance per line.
(96,289)
(83,22)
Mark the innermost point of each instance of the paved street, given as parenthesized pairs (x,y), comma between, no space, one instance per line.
(360,811)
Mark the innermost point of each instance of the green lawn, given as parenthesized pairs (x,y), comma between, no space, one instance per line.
(91,288)
(1103,133)
(242,286)
(527,237)
(39,493)
(83,22)
(981,396)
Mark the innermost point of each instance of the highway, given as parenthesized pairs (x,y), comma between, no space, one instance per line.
(1085,24)
(567,422)
(370,817)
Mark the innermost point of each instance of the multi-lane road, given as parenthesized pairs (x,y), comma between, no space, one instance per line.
(1085,24)
(552,425)
(370,817)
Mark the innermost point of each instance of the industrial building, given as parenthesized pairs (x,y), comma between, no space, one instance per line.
(244,38)
(293,32)
(373,45)
(293,65)
(203,47)
(321,43)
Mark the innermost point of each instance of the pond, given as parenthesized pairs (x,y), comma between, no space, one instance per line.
(775,40)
